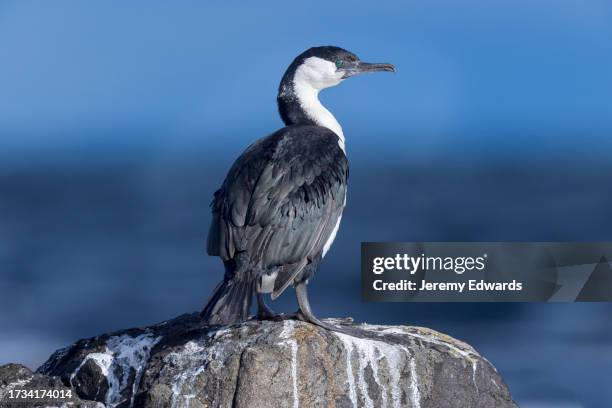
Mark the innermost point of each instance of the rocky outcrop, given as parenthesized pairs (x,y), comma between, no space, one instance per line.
(15,377)
(181,363)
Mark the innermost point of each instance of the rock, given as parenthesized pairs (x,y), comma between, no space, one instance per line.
(15,377)
(182,363)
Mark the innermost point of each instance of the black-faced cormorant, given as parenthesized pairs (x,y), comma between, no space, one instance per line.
(279,208)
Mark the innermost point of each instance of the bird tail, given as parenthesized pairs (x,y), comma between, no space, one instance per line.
(229,303)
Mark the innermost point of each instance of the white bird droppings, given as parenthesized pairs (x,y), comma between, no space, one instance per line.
(415,396)
(466,353)
(372,353)
(288,341)
(121,355)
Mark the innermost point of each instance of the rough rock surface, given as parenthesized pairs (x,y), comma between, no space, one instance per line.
(15,377)
(181,363)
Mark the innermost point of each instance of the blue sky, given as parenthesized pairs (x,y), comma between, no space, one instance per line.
(482,73)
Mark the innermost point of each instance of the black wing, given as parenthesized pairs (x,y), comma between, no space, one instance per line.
(281,201)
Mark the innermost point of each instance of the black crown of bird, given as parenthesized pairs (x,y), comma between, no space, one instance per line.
(279,208)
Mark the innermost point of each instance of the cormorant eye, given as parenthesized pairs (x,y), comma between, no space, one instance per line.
(339,63)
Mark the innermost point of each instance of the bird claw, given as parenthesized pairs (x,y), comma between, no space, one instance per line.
(281,317)
(275,317)
(299,315)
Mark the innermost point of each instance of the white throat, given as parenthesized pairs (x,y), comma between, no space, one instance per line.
(307,89)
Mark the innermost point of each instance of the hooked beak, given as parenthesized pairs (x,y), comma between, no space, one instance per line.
(359,67)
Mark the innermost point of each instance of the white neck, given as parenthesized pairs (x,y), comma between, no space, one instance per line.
(308,97)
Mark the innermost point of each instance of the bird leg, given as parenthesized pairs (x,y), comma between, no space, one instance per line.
(263,310)
(305,313)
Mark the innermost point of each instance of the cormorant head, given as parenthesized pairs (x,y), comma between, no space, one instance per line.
(313,70)
(323,67)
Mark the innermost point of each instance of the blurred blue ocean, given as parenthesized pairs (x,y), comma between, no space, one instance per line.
(118,122)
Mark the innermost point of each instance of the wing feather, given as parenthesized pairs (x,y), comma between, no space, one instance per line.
(280,201)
